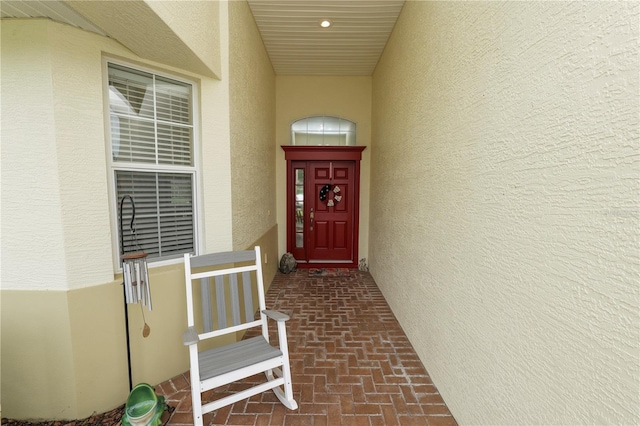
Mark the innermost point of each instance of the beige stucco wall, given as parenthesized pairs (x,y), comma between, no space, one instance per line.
(37,356)
(305,96)
(252,120)
(183,34)
(55,215)
(269,249)
(505,200)
(62,310)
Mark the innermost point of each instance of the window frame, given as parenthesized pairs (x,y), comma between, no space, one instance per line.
(113,166)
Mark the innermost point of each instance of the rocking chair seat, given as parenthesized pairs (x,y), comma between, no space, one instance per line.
(236,356)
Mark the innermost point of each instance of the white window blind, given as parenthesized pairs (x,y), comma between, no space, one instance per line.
(152,159)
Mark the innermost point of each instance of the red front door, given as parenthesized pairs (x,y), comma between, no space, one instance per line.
(322,211)
(330,200)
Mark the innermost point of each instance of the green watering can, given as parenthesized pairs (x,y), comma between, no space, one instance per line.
(143,407)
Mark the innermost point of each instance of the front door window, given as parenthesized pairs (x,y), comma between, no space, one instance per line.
(323,131)
(299,208)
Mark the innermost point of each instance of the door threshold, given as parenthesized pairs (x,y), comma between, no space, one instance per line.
(322,264)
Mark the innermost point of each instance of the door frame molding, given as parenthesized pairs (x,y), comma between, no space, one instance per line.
(323,153)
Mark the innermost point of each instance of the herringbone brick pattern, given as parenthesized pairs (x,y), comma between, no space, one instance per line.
(351,363)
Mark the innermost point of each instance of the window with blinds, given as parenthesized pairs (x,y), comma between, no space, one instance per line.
(152,147)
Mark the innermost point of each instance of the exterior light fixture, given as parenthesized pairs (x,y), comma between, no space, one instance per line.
(325,23)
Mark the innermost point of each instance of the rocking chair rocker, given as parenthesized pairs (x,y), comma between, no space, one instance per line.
(240,279)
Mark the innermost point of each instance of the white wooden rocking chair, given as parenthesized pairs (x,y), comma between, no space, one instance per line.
(226,364)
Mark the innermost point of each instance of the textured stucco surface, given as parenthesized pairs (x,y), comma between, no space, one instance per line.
(252,121)
(215,151)
(505,205)
(37,356)
(55,211)
(182,34)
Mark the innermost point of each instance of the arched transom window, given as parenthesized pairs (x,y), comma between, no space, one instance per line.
(323,130)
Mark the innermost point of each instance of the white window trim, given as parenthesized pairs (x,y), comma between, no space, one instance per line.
(111,167)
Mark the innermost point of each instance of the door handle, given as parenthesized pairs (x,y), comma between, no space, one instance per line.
(311,216)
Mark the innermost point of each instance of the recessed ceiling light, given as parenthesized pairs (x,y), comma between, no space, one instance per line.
(325,23)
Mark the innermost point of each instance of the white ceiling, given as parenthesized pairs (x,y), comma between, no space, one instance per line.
(298,45)
(290,29)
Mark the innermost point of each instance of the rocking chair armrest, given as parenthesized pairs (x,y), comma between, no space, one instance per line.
(276,315)
(190,336)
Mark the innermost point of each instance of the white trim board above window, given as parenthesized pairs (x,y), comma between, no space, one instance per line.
(151,133)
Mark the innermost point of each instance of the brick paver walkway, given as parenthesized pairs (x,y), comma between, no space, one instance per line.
(351,363)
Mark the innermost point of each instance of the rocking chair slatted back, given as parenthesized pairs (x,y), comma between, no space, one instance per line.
(221,299)
(225,285)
